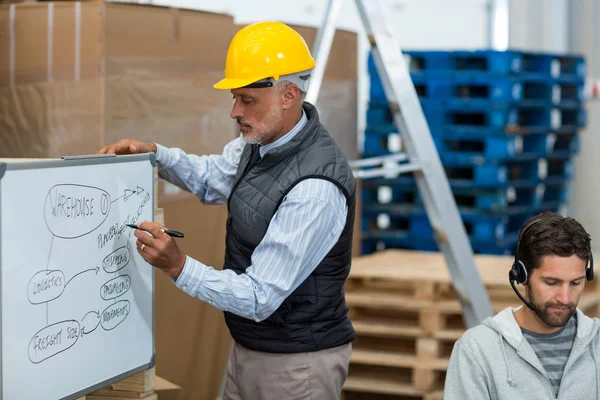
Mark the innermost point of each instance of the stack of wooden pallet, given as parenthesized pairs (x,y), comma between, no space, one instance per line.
(407,317)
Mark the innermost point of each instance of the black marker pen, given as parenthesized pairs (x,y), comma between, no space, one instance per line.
(167,231)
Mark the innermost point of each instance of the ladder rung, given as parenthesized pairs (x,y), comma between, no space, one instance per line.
(372,161)
(385,171)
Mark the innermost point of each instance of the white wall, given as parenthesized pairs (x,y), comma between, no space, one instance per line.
(586,190)
(569,26)
(539,25)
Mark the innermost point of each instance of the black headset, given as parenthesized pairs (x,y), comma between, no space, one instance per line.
(518,272)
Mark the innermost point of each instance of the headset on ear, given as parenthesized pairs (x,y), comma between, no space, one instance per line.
(518,271)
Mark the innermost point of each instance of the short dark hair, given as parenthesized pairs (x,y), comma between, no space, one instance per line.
(552,235)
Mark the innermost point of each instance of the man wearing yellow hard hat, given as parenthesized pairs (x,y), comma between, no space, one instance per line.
(291,198)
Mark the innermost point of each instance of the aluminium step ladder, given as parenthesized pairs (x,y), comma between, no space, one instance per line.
(420,157)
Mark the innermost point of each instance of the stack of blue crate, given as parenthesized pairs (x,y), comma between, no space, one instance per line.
(505,125)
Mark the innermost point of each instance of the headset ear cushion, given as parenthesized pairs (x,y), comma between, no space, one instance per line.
(513,274)
(521,272)
(589,271)
(517,273)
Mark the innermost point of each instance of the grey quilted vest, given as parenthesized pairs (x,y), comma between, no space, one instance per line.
(314,317)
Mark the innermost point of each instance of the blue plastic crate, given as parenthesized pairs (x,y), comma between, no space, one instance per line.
(528,172)
(469,149)
(568,66)
(391,219)
(510,200)
(475,118)
(376,144)
(486,89)
(370,245)
(504,174)
(568,119)
(568,92)
(380,114)
(485,119)
(492,62)
(458,90)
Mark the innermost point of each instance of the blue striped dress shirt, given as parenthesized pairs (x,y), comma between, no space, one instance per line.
(303,230)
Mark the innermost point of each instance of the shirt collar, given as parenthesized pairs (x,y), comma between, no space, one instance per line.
(285,138)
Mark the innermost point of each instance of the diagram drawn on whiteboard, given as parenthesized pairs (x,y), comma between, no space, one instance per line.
(71,212)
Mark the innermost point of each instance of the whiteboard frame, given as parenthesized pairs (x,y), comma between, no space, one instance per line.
(15,164)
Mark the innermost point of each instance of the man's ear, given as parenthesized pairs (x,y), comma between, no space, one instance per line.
(291,95)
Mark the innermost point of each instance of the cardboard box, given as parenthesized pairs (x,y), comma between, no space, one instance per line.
(50,86)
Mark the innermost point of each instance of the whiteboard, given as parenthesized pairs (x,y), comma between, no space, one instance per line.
(76,298)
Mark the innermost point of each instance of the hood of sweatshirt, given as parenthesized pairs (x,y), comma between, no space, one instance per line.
(509,333)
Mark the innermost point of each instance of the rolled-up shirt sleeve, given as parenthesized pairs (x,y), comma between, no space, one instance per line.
(208,177)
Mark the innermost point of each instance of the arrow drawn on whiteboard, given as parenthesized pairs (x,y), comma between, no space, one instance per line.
(128,193)
(84,324)
(82,272)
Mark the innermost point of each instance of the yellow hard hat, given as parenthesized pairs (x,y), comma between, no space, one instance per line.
(264,50)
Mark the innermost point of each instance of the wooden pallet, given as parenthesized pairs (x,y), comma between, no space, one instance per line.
(378,381)
(407,317)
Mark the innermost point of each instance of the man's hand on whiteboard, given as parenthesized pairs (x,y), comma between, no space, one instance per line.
(127,146)
(159,250)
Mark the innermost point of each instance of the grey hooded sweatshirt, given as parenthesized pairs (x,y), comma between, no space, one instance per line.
(494,361)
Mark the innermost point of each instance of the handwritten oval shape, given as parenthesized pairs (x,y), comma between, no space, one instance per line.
(114,314)
(52,340)
(45,286)
(116,260)
(72,211)
(115,287)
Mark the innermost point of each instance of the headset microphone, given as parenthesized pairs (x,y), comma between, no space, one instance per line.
(512,278)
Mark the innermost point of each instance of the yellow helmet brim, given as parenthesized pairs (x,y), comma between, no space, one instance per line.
(229,83)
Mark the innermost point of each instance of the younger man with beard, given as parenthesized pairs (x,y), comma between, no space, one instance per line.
(547,350)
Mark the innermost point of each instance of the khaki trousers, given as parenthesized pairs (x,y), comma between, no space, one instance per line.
(253,375)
